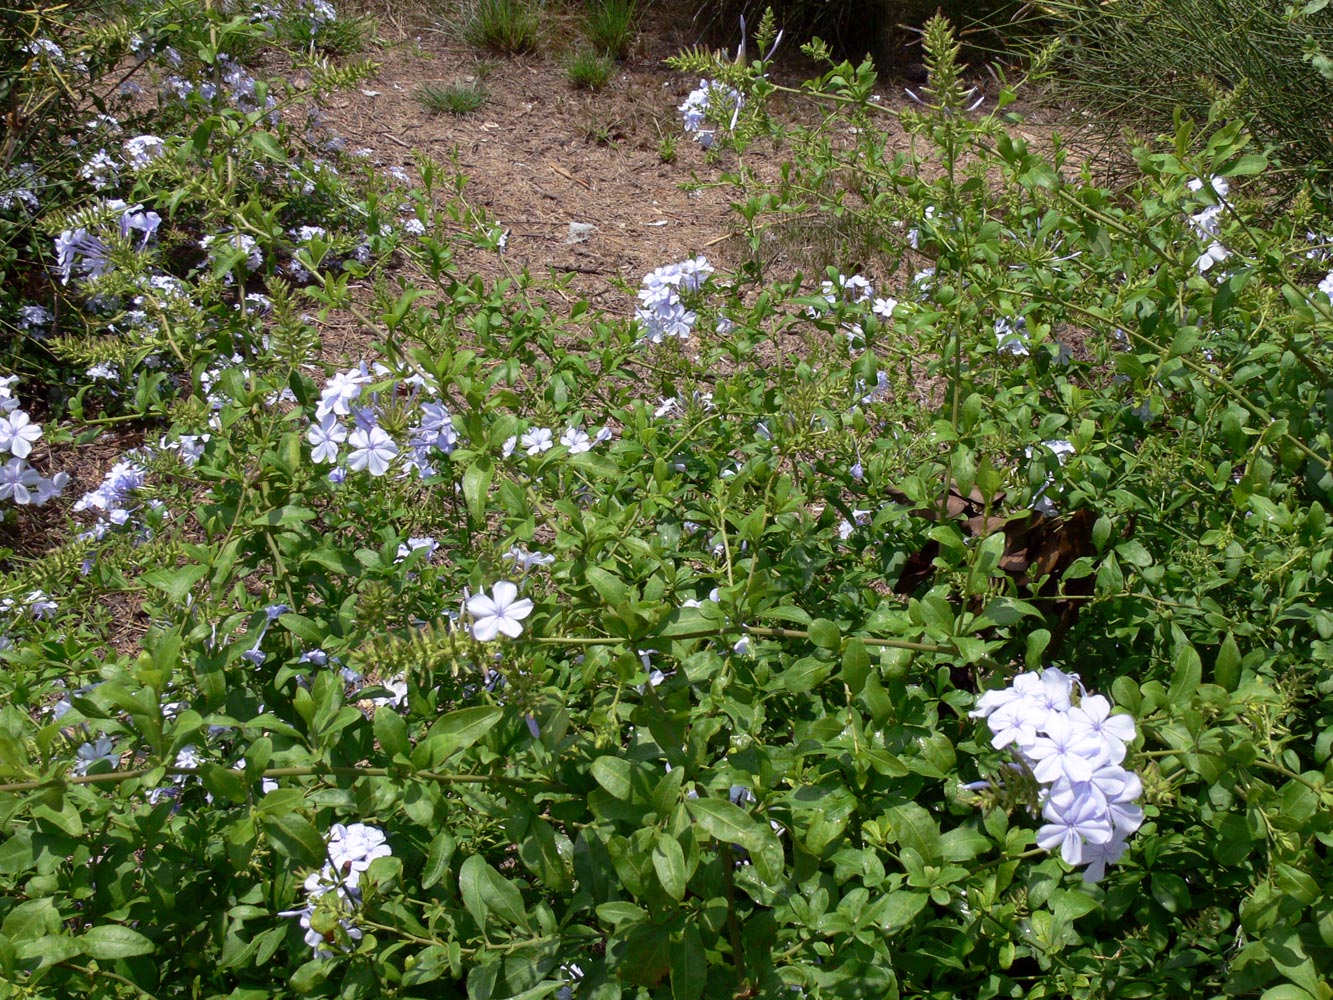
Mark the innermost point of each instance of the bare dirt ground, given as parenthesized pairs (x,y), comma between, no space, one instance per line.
(541,154)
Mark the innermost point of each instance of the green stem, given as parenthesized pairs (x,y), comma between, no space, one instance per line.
(103,972)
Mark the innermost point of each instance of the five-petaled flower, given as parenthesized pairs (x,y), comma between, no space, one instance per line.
(502,612)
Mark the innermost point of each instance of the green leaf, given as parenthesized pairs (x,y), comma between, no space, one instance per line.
(486,891)
(175,582)
(391,731)
(767,855)
(645,956)
(806,674)
(615,775)
(33,918)
(1250,163)
(610,588)
(1187,673)
(900,909)
(293,836)
(825,635)
(855,665)
(540,854)
(727,822)
(1171,892)
(1287,991)
(438,856)
(916,829)
(1226,669)
(689,971)
(342,563)
(963,844)
(305,629)
(476,486)
(1288,954)
(225,783)
(620,912)
(110,941)
(669,863)
(267,146)
(456,731)
(48,950)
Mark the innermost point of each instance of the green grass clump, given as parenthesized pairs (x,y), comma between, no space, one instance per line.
(1135,63)
(511,27)
(589,70)
(462,98)
(343,36)
(611,26)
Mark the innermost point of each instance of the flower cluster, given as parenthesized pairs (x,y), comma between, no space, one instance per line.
(237,243)
(372,449)
(142,150)
(333,893)
(853,290)
(1075,750)
(19,186)
(20,483)
(238,87)
(1207,223)
(87,254)
(709,96)
(538,440)
(112,498)
(661,309)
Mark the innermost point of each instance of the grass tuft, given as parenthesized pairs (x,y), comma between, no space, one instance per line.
(511,27)
(458,99)
(611,26)
(589,70)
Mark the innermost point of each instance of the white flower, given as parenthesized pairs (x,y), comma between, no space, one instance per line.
(397,688)
(352,849)
(18,434)
(1219,185)
(525,560)
(19,482)
(500,613)
(325,436)
(537,440)
(372,449)
(1215,253)
(576,439)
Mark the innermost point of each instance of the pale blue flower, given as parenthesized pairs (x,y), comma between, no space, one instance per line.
(372,450)
(18,434)
(90,753)
(537,440)
(1066,751)
(1082,821)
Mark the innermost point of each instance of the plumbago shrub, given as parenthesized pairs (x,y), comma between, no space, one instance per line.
(951,626)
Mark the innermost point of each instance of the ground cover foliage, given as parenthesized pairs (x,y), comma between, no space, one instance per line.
(718,646)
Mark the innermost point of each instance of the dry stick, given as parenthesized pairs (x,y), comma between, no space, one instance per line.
(568,176)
